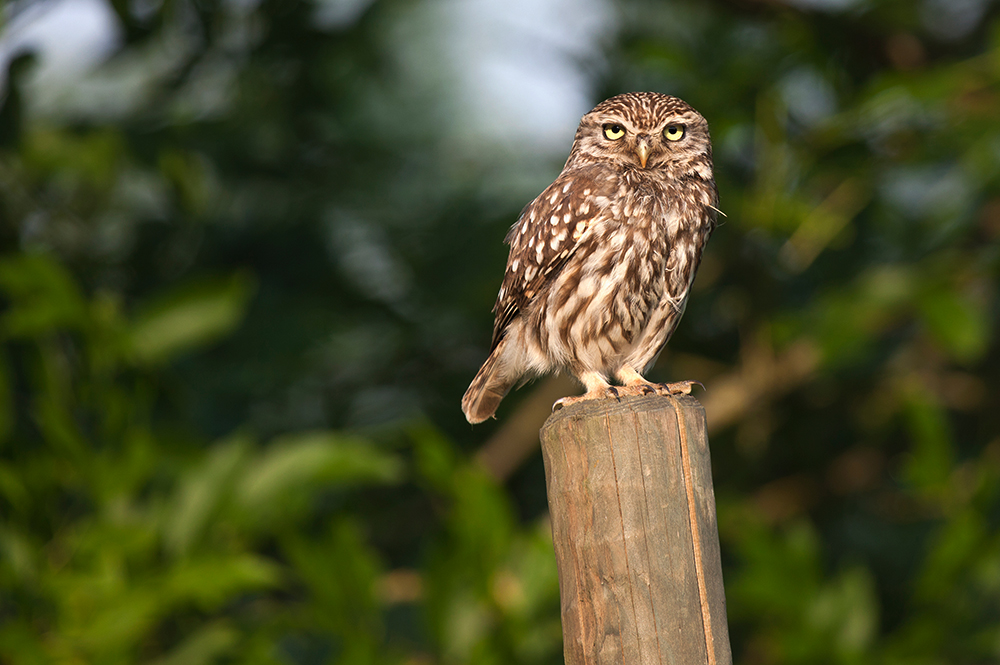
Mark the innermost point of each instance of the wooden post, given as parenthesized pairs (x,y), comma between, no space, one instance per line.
(633,519)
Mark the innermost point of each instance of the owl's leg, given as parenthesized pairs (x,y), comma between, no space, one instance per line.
(597,388)
(633,383)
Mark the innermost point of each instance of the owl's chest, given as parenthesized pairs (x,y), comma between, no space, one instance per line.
(638,233)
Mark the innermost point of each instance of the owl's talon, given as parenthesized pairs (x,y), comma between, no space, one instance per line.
(680,387)
(614,393)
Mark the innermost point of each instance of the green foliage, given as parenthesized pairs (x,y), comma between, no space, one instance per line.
(124,541)
(493,588)
(245,275)
(803,615)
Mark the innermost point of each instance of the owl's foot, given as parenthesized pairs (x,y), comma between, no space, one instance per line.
(634,389)
(640,388)
(678,388)
(635,384)
(604,392)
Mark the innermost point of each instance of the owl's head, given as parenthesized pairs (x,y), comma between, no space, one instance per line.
(645,130)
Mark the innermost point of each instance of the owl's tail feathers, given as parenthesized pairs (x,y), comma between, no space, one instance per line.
(490,386)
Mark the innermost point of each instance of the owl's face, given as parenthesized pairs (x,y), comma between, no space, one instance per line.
(643,130)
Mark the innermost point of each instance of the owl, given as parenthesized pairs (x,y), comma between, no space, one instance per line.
(601,263)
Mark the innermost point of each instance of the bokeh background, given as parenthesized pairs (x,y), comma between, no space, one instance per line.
(248,251)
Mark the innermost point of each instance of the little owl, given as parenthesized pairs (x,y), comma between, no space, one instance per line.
(602,261)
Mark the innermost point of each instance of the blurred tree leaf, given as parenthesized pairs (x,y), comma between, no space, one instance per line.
(961,326)
(209,581)
(92,157)
(202,493)
(206,645)
(930,461)
(190,317)
(42,296)
(273,485)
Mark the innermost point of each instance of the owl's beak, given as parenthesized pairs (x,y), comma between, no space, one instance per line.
(642,151)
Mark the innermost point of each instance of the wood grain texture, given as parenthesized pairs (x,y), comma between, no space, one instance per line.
(638,583)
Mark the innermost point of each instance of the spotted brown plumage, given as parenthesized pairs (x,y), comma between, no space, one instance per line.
(602,261)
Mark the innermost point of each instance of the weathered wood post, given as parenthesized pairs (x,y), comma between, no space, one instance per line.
(633,519)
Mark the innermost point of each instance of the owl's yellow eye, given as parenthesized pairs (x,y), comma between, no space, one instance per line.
(614,132)
(674,132)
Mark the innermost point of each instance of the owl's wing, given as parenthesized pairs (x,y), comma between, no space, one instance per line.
(546,235)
